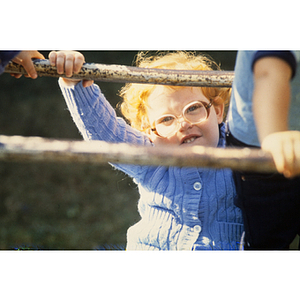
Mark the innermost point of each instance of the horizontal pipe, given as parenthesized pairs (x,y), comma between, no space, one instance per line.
(126,74)
(36,149)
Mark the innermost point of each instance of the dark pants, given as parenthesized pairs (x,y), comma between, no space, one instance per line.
(270,205)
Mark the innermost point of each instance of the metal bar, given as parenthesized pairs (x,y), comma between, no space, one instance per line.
(126,74)
(36,149)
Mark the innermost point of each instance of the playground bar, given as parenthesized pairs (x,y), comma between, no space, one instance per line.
(127,74)
(36,149)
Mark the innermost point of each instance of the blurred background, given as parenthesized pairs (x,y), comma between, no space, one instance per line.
(64,206)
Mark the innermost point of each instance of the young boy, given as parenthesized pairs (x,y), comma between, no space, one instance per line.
(258,117)
(180,208)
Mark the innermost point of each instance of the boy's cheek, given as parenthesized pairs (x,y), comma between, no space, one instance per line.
(159,141)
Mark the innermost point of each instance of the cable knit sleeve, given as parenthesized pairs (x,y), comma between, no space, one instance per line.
(96,119)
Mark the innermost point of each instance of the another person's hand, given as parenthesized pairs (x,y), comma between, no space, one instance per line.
(68,63)
(24,58)
(285,149)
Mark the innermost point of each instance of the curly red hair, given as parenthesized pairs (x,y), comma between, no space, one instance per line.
(135,96)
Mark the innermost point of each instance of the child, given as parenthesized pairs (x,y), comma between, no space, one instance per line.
(180,208)
(258,117)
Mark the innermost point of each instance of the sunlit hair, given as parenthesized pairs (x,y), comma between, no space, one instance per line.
(135,96)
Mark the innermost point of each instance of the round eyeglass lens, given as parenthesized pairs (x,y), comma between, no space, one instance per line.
(195,113)
(166,125)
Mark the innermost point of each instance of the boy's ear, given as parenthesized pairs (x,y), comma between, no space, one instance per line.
(219,109)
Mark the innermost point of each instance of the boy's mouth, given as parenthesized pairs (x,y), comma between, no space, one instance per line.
(189,139)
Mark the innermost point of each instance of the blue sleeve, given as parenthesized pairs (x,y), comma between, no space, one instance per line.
(96,119)
(5,57)
(288,56)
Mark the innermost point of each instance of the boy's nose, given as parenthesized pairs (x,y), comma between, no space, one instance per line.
(184,125)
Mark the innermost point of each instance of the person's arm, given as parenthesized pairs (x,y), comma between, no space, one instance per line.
(94,116)
(271,103)
(92,113)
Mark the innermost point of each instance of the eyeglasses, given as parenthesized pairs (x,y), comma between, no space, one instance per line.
(194,113)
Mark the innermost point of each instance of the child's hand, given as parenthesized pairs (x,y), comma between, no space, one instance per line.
(285,149)
(69,63)
(24,58)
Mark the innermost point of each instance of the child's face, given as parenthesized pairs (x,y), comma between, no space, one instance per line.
(166,100)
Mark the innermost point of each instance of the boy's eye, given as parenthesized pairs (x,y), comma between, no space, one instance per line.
(195,108)
(166,120)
